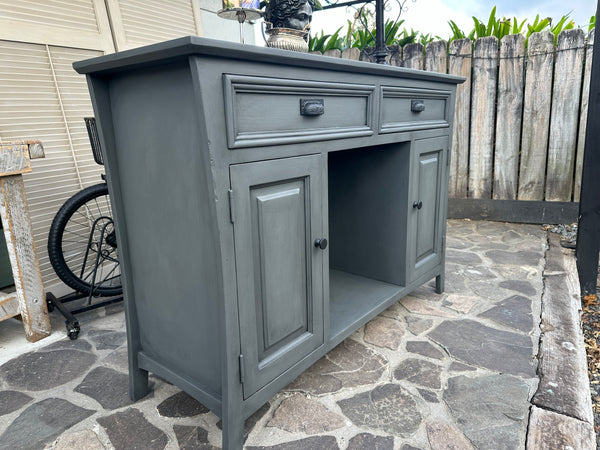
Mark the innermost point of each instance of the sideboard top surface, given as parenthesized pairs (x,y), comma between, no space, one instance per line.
(195,46)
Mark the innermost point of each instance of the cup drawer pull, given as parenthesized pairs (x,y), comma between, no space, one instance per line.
(312,107)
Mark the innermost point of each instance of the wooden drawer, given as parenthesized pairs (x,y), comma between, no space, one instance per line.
(269,111)
(407,109)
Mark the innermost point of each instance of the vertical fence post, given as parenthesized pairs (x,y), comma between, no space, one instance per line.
(568,69)
(583,116)
(334,53)
(436,56)
(414,57)
(351,53)
(459,63)
(483,106)
(536,116)
(509,114)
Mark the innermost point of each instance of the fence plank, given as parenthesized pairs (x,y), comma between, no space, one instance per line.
(536,116)
(436,56)
(334,53)
(459,63)
(565,113)
(508,114)
(414,57)
(483,105)
(585,99)
(367,55)
(351,53)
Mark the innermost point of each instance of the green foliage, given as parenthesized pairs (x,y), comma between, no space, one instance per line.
(317,43)
(358,37)
(361,38)
(505,26)
(563,24)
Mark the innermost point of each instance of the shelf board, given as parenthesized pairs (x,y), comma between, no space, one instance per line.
(354,299)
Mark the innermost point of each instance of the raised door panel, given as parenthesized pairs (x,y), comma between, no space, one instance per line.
(427,194)
(277,216)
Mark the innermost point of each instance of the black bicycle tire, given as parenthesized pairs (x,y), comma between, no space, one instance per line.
(55,240)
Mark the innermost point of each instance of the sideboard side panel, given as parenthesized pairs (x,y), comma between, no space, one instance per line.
(170,232)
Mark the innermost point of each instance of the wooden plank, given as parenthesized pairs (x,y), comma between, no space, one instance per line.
(564,384)
(14,159)
(15,156)
(483,106)
(516,211)
(334,53)
(414,56)
(367,55)
(436,56)
(351,53)
(588,236)
(394,57)
(9,306)
(459,63)
(562,144)
(508,116)
(23,257)
(585,99)
(536,116)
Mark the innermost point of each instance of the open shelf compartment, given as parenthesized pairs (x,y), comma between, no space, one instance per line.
(368,208)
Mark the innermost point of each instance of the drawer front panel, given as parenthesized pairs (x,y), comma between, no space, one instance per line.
(405,109)
(269,111)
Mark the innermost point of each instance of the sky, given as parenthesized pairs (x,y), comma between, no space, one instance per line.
(431,16)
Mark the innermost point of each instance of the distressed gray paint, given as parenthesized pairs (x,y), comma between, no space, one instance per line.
(198,216)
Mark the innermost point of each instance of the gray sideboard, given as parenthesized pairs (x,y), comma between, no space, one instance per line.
(267,204)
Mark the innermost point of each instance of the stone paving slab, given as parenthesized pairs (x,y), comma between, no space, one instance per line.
(435,371)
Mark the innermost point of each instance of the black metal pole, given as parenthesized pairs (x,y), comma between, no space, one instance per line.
(588,232)
(380,47)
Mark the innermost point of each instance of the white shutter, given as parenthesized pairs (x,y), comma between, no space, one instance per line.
(42,97)
(69,23)
(142,22)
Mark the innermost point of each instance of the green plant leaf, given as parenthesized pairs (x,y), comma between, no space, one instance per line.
(491,23)
(333,41)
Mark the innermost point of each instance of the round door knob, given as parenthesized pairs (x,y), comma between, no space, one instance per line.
(321,243)
(418,205)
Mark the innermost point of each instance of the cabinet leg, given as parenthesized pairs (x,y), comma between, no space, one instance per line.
(233,432)
(138,384)
(439,283)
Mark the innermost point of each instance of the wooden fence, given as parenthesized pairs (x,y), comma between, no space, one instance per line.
(520,117)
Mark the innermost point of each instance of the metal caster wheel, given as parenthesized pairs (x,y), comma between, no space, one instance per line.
(73,332)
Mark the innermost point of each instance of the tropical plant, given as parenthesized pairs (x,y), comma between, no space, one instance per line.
(360,37)
(317,43)
(538,25)
(563,24)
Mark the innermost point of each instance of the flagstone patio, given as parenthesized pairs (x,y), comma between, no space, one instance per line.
(435,371)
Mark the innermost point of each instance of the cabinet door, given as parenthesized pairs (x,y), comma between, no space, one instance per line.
(277,208)
(426,217)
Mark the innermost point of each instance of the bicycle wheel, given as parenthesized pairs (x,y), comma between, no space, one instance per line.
(82,246)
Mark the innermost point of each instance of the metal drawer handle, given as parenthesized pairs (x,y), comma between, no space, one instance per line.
(418,205)
(312,107)
(417,106)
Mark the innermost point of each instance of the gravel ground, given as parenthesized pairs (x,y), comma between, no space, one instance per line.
(590,319)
